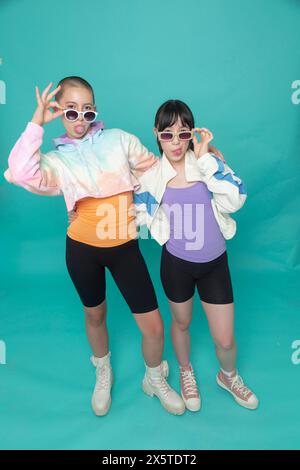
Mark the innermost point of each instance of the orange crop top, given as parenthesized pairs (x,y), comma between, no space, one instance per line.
(104,222)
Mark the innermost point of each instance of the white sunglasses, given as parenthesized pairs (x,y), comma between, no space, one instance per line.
(72,115)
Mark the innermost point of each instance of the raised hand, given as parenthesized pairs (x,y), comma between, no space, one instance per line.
(201,147)
(47,110)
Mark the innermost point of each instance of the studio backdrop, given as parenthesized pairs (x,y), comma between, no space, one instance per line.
(236,64)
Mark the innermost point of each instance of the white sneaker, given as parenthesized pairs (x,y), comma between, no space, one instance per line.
(101,399)
(154,383)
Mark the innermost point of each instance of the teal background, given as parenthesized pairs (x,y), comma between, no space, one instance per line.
(234,63)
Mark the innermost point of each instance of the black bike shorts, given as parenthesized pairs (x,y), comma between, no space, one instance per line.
(86,265)
(179,278)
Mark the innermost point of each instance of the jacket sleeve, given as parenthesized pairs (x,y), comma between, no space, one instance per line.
(139,157)
(143,197)
(229,191)
(145,206)
(28,167)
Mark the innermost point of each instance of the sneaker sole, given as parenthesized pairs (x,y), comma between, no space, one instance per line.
(149,392)
(188,406)
(239,402)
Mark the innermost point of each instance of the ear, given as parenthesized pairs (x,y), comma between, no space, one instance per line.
(155,131)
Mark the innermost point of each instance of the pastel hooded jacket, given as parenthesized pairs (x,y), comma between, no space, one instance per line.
(103,163)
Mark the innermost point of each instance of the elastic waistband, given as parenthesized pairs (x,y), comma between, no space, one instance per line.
(213,261)
(127,244)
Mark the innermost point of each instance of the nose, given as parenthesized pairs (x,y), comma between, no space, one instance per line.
(80,117)
(176,139)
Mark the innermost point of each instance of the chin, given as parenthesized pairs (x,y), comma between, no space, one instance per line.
(175,158)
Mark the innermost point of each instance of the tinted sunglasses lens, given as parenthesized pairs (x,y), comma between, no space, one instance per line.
(185,135)
(90,116)
(166,136)
(71,115)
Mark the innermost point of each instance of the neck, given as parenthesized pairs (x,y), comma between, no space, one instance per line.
(179,166)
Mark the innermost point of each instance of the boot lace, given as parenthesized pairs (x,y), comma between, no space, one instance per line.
(189,382)
(103,377)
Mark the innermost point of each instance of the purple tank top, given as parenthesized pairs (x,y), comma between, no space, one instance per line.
(194,232)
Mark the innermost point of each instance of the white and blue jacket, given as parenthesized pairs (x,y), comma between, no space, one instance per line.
(228,193)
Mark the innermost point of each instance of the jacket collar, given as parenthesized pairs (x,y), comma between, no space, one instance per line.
(192,171)
(94,128)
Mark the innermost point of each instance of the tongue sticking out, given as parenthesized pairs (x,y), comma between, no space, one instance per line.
(79,129)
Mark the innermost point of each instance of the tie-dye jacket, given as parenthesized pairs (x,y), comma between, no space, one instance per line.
(103,163)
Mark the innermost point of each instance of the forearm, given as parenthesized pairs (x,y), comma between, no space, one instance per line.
(30,169)
(228,189)
(24,159)
(139,157)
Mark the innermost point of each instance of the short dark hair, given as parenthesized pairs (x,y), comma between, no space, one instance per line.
(168,113)
(73,81)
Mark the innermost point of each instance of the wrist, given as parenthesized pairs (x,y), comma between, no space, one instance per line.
(203,151)
(37,121)
(35,129)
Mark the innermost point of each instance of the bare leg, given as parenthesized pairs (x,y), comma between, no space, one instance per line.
(152,329)
(96,328)
(221,322)
(181,319)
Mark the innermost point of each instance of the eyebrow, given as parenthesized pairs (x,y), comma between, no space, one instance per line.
(74,102)
(183,127)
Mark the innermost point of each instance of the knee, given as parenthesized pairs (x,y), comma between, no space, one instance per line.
(154,331)
(226,344)
(96,316)
(182,325)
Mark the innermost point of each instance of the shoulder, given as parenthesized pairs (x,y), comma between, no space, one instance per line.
(115,133)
